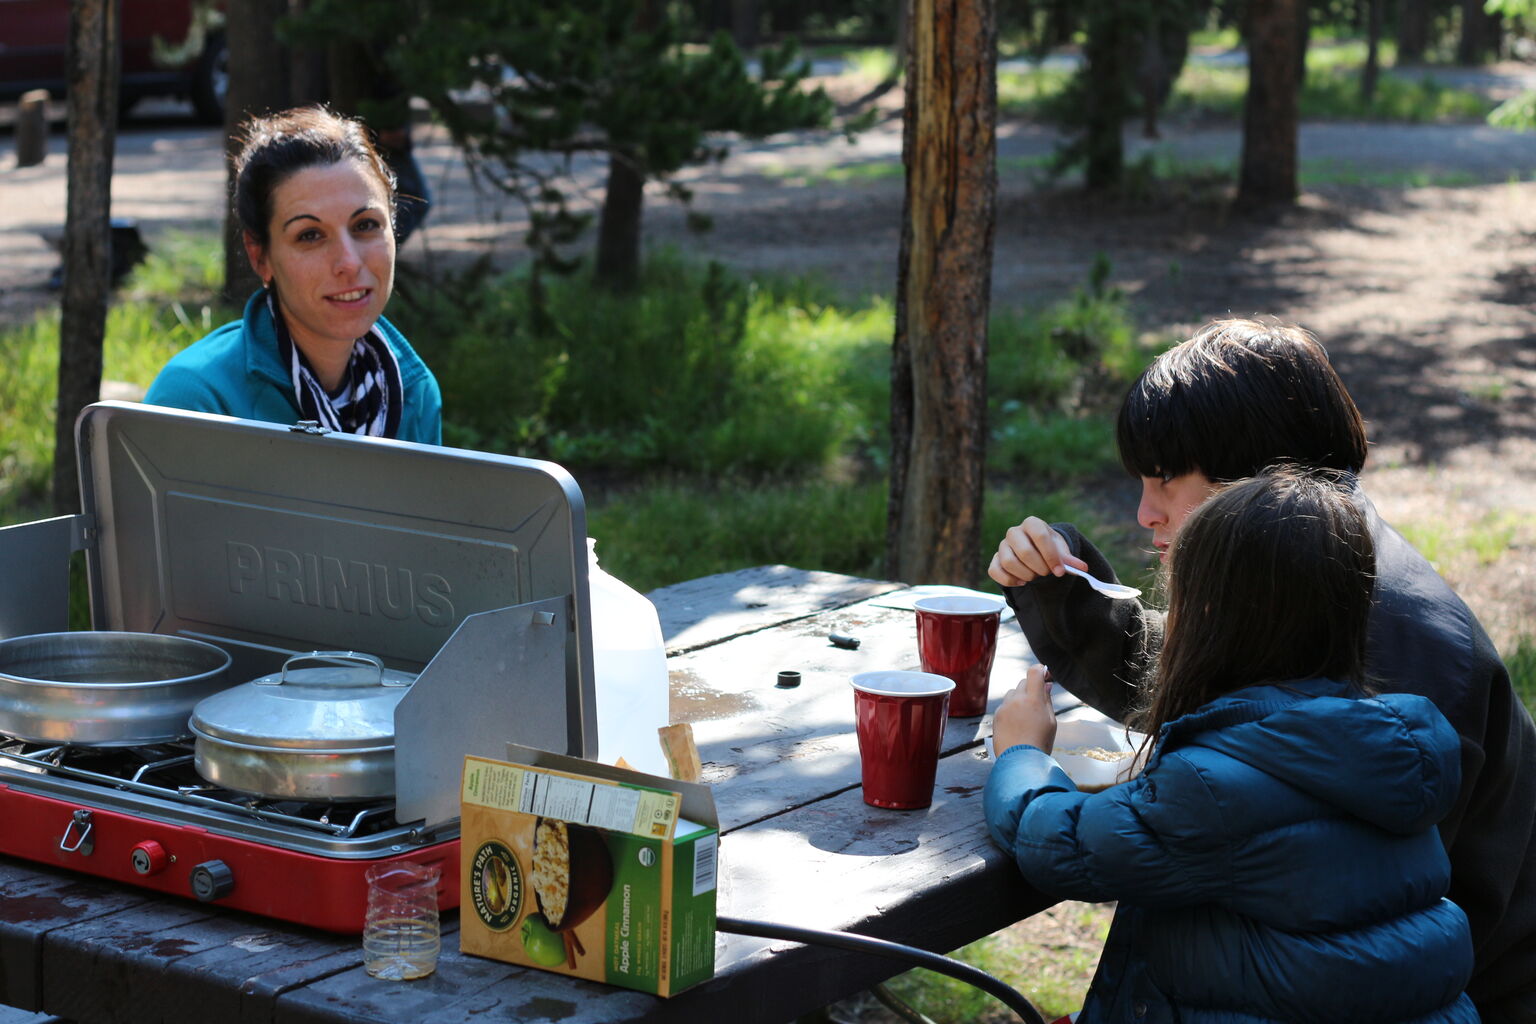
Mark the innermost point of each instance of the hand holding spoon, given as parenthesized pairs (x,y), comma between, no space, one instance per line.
(1107,589)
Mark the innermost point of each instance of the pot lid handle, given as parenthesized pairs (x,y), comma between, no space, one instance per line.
(338,657)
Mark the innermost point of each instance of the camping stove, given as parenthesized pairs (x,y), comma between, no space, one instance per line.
(465,569)
(142,815)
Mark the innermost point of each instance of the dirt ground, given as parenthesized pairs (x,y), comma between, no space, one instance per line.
(1423,295)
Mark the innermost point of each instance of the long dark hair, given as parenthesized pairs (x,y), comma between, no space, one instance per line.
(1236,397)
(1270,580)
(276,147)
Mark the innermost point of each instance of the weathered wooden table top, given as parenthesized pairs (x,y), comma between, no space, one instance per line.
(799,846)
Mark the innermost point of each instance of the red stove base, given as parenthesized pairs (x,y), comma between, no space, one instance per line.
(321,892)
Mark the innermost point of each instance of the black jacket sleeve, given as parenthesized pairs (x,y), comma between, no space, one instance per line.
(1103,651)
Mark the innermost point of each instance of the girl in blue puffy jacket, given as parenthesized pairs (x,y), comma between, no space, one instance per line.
(1277,859)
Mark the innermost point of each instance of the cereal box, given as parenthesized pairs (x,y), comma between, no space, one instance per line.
(588,870)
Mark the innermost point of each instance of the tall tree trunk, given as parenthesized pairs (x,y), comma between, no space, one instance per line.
(1151,77)
(1412,30)
(1303,39)
(943,294)
(745,28)
(92,70)
(618,226)
(1372,47)
(349,75)
(258,84)
(308,74)
(1479,34)
(1268,174)
(1106,62)
(1165,50)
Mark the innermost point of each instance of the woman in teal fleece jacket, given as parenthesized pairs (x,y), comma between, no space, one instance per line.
(316,205)
(1277,858)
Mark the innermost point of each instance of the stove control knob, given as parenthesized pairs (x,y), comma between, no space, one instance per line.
(212,880)
(149,858)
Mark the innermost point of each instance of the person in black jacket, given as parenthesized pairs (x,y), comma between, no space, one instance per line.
(1235,398)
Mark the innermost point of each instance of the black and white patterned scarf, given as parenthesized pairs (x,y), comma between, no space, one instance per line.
(370,397)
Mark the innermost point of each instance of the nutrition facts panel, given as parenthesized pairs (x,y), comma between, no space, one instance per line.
(601,804)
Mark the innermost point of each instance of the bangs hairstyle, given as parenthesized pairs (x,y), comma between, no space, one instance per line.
(1239,396)
(275,148)
(1269,580)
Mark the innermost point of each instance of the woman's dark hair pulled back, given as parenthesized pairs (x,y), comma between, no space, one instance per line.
(1270,580)
(275,147)
(1239,396)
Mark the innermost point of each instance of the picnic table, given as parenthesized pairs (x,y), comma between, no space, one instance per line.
(799,846)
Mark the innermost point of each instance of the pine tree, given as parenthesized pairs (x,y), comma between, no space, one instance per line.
(526,88)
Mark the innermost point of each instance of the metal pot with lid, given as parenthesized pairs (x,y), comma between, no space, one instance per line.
(324,733)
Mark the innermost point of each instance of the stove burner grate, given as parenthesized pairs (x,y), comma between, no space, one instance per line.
(166,772)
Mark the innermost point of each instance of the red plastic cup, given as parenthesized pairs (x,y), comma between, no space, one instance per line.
(900,719)
(957,637)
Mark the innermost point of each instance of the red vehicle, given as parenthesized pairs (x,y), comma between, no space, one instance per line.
(170,48)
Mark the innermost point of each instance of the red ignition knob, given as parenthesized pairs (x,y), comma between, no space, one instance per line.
(149,858)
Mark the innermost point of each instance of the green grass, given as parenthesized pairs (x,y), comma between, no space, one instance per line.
(874,63)
(1036,93)
(1215,39)
(1161,173)
(1521,663)
(1335,94)
(888,170)
(1331,92)
(700,371)
(668,531)
(839,174)
(184,266)
(672,531)
(1053,977)
(1461,548)
(149,322)
(720,375)
(1325,53)
(1336,172)
(1483,540)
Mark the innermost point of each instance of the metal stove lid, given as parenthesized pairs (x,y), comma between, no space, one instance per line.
(344,700)
(271,540)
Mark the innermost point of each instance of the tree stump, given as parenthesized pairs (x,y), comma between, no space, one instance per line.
(32,128)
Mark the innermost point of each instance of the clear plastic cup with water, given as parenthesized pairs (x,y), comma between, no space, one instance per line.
(401,939)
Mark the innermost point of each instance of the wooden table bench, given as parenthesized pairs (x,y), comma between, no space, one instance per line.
(799,846)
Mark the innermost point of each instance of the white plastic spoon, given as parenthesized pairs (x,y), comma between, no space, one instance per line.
(1107,589)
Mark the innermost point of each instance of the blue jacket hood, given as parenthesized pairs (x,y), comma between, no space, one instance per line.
(1319,739)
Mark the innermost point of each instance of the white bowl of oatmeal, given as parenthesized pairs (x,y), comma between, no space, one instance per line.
(1096,752)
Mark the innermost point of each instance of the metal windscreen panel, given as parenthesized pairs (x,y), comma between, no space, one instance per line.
(34,568)
(500,666)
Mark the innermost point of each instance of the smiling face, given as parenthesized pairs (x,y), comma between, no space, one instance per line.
(1167,501)
(331,255)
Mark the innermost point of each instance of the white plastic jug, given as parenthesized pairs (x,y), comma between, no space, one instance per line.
(629,661)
